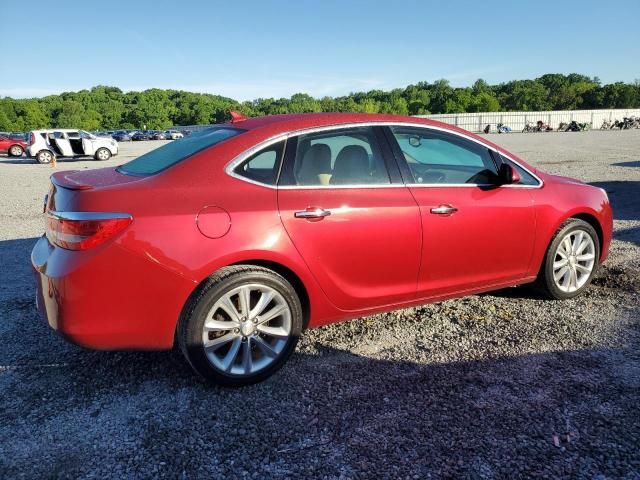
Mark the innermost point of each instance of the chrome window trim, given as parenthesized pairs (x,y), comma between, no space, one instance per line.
(238,159)
(361,186)
(80,216)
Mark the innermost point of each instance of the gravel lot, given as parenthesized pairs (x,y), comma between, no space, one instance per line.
(501,385)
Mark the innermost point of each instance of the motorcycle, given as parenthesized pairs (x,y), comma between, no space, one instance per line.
(569,127)
(630,122)
(543,127)
(606,125)
(502,128)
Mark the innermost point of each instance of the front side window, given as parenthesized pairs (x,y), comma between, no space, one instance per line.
(339,157)
(83,134)
(262,167)
(525,177)
(178,150)
(440,158)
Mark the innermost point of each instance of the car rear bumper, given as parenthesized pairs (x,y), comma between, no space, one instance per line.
(107,298)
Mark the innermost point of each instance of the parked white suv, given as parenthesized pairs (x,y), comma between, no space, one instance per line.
(45,145)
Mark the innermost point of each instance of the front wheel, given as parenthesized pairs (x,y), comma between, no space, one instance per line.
(242,326)
(103,154)
(571,260)
(16,151)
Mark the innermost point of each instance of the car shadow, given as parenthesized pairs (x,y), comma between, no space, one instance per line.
(404,414)
(624,197)
(454,420)
(633,163)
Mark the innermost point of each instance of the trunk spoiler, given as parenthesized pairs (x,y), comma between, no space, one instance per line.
(61,179)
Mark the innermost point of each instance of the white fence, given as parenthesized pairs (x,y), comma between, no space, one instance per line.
(476,122)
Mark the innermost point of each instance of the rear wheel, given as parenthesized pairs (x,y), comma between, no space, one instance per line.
(242,326)
(45,156)
(16,151)
(103,154)
(571,260)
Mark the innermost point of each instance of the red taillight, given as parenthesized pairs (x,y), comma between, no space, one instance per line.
(83,230)
(32,138)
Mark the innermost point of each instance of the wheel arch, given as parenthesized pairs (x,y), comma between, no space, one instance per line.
(291,277)
(593,221)
(282,270)
(585,216)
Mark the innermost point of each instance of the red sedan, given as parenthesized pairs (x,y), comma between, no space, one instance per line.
(234,240)
(12,146)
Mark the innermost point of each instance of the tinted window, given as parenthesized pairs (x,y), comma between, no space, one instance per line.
(176,151)
(344,157)
(440,158)
(262,166)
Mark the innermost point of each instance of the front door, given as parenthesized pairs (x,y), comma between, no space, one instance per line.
(355,224)
(476,233)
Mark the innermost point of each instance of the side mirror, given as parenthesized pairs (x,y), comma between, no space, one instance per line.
(508,175)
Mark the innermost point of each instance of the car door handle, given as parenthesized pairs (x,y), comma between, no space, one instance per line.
(444,210)
(313,213)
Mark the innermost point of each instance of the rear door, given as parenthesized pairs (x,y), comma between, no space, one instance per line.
(357,226)
(62,142)
(476,233)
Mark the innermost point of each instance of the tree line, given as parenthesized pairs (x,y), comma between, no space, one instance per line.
(106,108)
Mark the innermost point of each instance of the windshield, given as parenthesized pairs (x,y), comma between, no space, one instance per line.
(176,151)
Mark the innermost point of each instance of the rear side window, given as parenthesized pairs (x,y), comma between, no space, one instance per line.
(176,151)
(337,157)
(262,167)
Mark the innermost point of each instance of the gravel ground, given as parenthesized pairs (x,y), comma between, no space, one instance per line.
(501,385)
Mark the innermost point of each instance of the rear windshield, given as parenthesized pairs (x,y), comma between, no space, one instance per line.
(176,151)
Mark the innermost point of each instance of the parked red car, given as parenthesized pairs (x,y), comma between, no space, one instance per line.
(12,146)
(234,240)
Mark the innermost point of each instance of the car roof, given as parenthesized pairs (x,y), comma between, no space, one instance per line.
(273,125)
(47,130)
(276,124)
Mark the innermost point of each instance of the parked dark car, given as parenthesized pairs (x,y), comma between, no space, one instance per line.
(122,136)
(21,137)
(138,136)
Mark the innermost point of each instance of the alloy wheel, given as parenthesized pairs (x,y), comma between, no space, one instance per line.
(16,151)
(246,329)
(103,154)
(574,260)
(45,157)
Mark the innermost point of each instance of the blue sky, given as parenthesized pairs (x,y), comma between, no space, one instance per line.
(250,49)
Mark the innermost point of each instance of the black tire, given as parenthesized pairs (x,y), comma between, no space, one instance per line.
(16,151)
(191,324)
(546,283)
(103,154)
(45,157)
